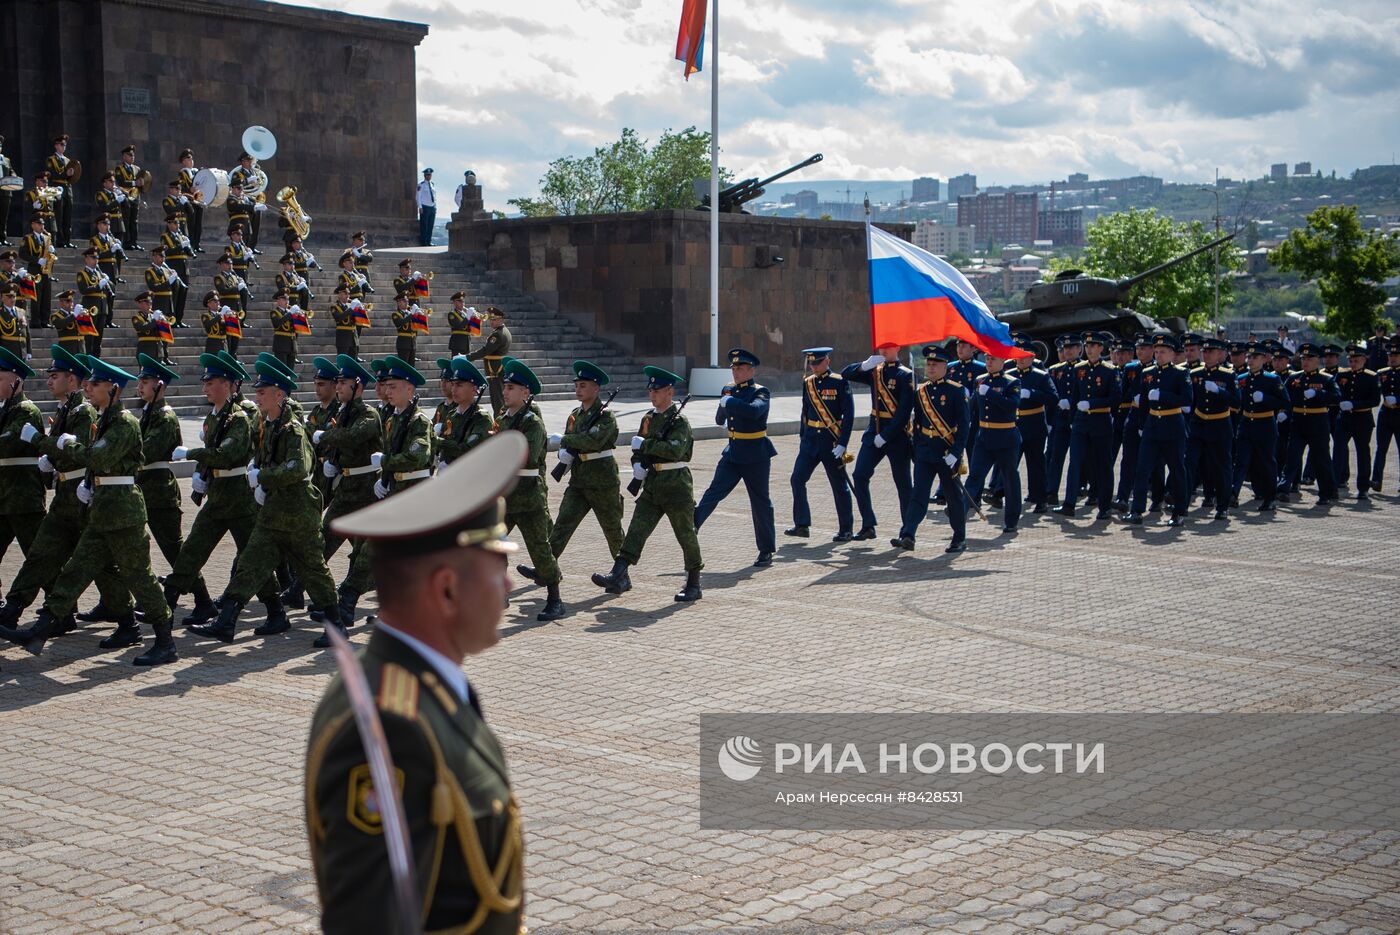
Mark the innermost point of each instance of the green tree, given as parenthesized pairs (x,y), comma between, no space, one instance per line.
(1130,242)
(1348,263)
(625,176)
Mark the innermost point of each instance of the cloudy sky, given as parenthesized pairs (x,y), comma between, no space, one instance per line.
(1016,91)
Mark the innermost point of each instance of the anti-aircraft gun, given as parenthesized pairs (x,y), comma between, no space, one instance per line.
(1075,302)
(733,198)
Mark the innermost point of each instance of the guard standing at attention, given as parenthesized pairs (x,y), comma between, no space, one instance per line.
(1095,392)
(1311,393)
(661,452)
(1062,422)
(1215,394)
(439,562)
(886,435)
(1361,394)
(1038,398)
(828,413)
(996,398)
(743,406)
(1166,390)
(1263,404)
(940,424)
(491,353)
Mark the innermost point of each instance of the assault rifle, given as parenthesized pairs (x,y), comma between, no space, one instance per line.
(561,468)
(649,462)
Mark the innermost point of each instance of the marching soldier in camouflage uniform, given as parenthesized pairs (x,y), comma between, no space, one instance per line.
(586,449)
(320,418)
(464,425)
(21,484)
(527,506)
(115,533)
(661,450)
(289,524)
(492,354)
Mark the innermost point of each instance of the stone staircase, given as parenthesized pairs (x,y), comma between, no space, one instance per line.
(546,341)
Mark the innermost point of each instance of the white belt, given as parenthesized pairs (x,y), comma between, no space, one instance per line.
(125,481)
(19,462)
(71,475)
(529,472)
(157,466)
(356,471)
(595,455)
(231,472)
(413,475)
(670,465)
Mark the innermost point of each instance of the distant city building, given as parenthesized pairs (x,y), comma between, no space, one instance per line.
(961,186)
(1018,278)
(1302,168)
(925,189)
(1079,180)
(1005,218)
(1133,185)
(944,239)
(1377,173)
(805,201)
(1062,226)
(1279,171)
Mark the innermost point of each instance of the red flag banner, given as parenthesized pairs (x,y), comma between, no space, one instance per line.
(690,41)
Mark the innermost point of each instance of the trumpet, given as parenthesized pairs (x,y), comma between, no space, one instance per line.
(297,220)
(49,194)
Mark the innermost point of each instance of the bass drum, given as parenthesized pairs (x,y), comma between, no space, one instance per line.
(212,184)
(11,183)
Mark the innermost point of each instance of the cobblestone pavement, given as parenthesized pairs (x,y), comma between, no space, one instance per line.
(171,800)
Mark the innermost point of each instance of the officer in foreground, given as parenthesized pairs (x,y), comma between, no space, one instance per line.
(439,558)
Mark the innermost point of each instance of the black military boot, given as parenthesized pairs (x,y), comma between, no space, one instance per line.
(764,560)
(127,633)
(9,623)
(205,609)
(903,542)
(276,621)
(528,573)
(616,581)
(553,607)
(38,634)
(691,591)
(223,628)
(800,532)
(866,532)
(164,649)
(333,619)
(99,614)
(346,608)
(294,595)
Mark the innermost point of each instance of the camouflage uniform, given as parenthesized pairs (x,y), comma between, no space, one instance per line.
(593,482)
(349,443)
(408,450)
(668,493)
(317,420)
(527,506)
(21,486)
(462,431)
(160,436)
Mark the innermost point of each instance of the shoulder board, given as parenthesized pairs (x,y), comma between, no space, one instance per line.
(1369,373)
(1195,368)
(1384,370)
(811,378)
(1182,367)
(953,383)
(1039,371)
(398,691)
(833,375)
(981,376)
(1104,363)
(1080,363)
(1057,365)
(759,388)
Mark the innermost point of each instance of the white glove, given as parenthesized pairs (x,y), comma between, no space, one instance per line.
(552,443)
(1154,395)
(1082,405)
(879,441)
(253,476)
(1390,400)
(1064,404)
(317,435)
(440,465)
(982,390)
(724,401)
(1137,400)
(375,458)
(1281,417)
(637,442)
(259,495)
(639,472)
(1258,397)
(329,469)
(871,362)
(199,484)
(64,440)
(437,428)
(84,492)
(1348,405)
(1025,394)
(201,433)
(838,451)
(1309,393)
(1186,409)
(380,491)
(45,464)
(951,460)
(566,456)
(1212,386)
(27,432)
(180,453)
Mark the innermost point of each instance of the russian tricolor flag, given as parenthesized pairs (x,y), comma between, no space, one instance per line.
(690,40)
(915,297)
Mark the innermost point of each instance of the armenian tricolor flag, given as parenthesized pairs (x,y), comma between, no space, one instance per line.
(917,297)
(299,323)
(85,326)
(474,325)
(690,41)
(233,327)
(419,319)
(361,315)
(420,285)
(163,330)
(28,289)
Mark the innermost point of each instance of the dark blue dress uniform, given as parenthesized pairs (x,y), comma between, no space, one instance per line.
(1361,394)
(995,401)
(828,413)
(891,399)
(1039,399)
(965,374)
(744,408)
(1062,420)
(1135,414)
(1095,392)
(947,401)
(1209,457)
(1388,425)
(1166,392)
(1262,399)
(1341,472)
(1282,369)
(1310,396)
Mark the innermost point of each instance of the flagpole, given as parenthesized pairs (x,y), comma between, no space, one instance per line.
(714,183)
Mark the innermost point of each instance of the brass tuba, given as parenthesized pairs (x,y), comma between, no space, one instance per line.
(297,220)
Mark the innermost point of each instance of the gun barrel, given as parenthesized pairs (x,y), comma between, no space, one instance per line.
(1162,267)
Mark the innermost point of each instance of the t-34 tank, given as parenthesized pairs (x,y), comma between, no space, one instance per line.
(1074,302)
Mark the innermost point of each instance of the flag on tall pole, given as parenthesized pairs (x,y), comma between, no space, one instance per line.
(690,41)
(916,297)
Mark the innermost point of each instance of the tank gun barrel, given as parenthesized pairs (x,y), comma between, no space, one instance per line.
(733,197)
(1126,284)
